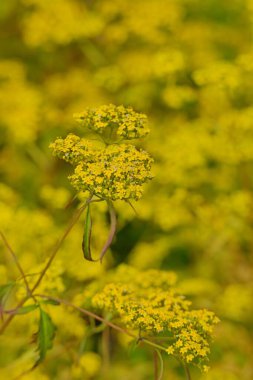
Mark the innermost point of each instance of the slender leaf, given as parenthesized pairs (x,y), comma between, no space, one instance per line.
(26,309)
(4,290)
(86,244)
(87,236)
(45,335)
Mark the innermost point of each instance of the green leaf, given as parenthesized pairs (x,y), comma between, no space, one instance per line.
(4,293)
(45,335)
(87,236)
(87,233)
(4,290)
(26,309)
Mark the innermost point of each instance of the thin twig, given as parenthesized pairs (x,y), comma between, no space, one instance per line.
(132,207)
(185,366)
(187,371)
(88,313)
(15,258)
(53,254)
(158,358)
(70,201)
(59,243)
(113,220)
(101,319)
(30,275)
(11,316)
(158,346)
(105,342)
(159,355)
(156,369)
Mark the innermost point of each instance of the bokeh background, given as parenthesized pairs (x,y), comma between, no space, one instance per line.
(187,64)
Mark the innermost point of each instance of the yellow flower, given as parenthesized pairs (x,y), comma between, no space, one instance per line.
(114,123)
(155,307)
(116,171)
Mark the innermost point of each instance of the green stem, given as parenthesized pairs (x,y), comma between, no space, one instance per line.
(187,371)
(157,355)
(156,373)
(158,346)
(106,348)
(185,366)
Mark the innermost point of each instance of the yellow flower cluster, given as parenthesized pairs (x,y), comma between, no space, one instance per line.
(72,149)
(149,302)
(117,171)
(114,122)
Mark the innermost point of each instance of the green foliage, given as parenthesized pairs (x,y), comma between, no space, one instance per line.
(4,293)
(5,289)
(87,235)
(45,335)
(26,309)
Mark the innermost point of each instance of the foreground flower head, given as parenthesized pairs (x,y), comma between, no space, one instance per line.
(117,172)
(114,171)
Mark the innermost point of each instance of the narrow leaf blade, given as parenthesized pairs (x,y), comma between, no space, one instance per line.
(87,236)
(45,335)
(4,293)
(4,289)
(26,309)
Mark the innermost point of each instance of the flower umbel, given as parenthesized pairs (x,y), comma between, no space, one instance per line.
(114,123)
(113,171)
(116,171)
(72,149)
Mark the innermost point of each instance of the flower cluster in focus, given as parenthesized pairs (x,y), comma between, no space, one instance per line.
(115,171)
